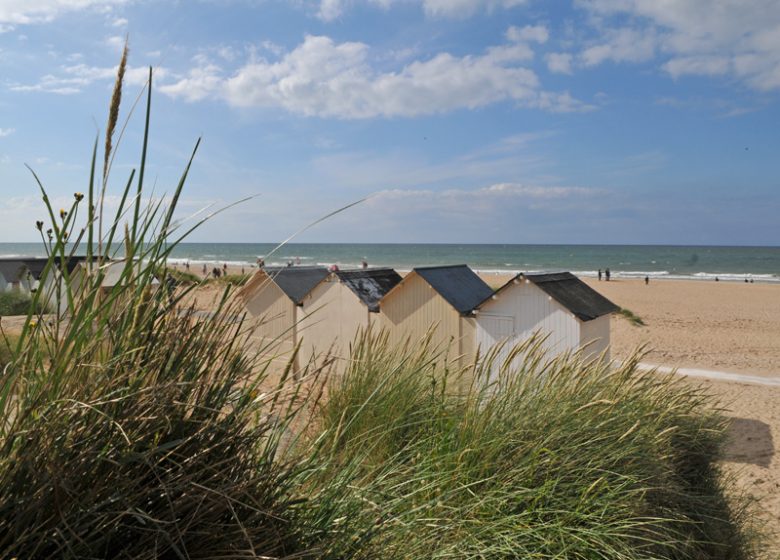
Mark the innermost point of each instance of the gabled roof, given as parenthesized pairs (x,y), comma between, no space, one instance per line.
(295,281)
(457,284)
(572,293)
(370,285)
(15,268)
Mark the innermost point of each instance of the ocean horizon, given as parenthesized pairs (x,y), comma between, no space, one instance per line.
(692,262)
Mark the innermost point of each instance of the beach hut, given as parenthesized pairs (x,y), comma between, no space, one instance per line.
(273,298)
(338,308)
(558,305)
(442,298)
(21,274)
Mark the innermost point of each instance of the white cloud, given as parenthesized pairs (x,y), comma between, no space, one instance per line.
(117,42)
(37,11)
(323,78)
(622,45)
(330,10)
(738,38)
(200,83)
(119,22)
(559,63)
(6,131)
(489,201)
(530,33)
(73,79)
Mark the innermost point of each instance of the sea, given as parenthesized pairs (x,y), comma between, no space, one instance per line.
(684,262)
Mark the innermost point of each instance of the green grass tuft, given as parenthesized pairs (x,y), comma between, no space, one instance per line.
(631,317)
(15,303)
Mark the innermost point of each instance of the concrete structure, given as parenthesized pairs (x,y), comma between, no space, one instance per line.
(338,309)
(559,306)
(440,300)
(273,298)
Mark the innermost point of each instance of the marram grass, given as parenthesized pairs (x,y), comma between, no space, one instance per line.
(131,427)
(556,459)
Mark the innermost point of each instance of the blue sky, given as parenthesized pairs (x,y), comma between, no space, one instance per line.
(492,121)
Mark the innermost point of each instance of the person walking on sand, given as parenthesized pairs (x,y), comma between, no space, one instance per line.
(607,274)
(224,269)
(364,263)
(599,275)
(205,270)
(647,280)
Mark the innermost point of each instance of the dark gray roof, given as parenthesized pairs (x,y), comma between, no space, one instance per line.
(297,281)
(457,284)
(574,294)
(370,285)
(13,269)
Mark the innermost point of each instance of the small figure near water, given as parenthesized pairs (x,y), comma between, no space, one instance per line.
(364,263)
(260,262)
(607,274)
(647,280)
(205,270)
(215,272)
(334,268)
(599,275)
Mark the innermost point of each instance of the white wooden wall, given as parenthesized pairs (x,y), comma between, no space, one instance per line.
(274,317)
(413,308)
(331,317)
(595,334)
(530,310)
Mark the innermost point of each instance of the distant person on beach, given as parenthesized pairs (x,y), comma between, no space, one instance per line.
(205,270)
(215,272)
(364,263)
(289,264)
(224,269)
(599,275)
(297,261)
(607,274)
(717,279)
(260,262)
(647,280)
(187,265)
(242,270)
(334,268)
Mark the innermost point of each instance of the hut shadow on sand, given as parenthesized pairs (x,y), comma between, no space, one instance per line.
(750,441)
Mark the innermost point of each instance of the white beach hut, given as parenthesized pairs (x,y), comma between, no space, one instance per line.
(560,306)
(441,299)
(338,308)
(273,298)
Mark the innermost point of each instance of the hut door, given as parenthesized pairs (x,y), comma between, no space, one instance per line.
(491,330)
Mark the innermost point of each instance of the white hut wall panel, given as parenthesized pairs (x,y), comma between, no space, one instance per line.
(331,317)
(273,315)
(594,336)
(533,311)
(413,308)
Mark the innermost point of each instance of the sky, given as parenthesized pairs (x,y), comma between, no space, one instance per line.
(485,121)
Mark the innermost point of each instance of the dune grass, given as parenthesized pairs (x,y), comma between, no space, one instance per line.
(631,317)
(14,303)
(566,459)
(132,427)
